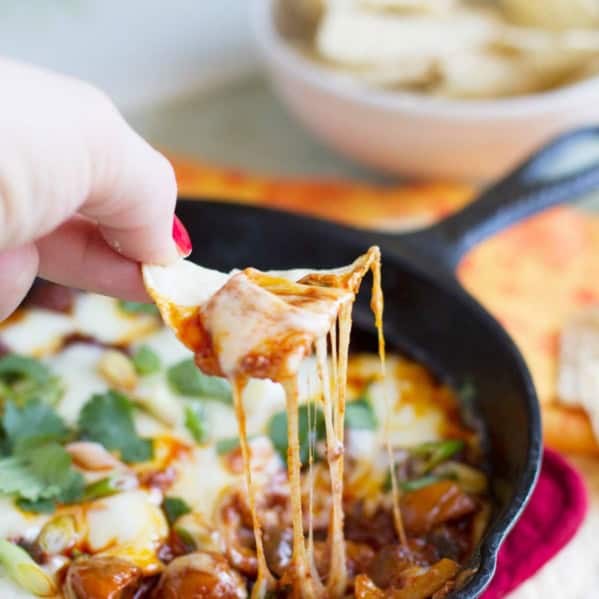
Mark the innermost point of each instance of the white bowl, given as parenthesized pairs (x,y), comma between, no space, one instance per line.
(412,134)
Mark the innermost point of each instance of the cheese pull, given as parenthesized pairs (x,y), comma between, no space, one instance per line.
(262,325)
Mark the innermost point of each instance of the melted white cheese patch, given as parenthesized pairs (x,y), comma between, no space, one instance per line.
(220,420)
(408,424)
(77,368)
(362,444)
(261,399)
(165,344)
(38,332)
(204,477)
(201,480)
(261,317)
(154,392)
(405,424)
(155,395)
(101,318)
(129,525)
(149,425)
(9,590)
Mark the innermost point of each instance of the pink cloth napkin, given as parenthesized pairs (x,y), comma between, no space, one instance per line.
(554,514)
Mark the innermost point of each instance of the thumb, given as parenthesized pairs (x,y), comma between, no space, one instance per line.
(132,196)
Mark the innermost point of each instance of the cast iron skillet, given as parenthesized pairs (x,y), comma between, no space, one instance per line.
(427,313)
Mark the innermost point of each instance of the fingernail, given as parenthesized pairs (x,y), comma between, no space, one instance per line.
(181,237)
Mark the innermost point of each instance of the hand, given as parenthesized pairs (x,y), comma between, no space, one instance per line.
(83,198)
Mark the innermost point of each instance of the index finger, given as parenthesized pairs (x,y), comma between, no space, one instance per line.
(132,196)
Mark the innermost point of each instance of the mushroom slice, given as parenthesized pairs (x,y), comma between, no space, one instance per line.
(101,578)
(201,574)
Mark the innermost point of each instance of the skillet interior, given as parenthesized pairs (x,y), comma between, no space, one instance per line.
(429,318)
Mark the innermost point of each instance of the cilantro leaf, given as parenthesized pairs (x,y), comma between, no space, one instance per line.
(138,450)
(138,308)
(359,414)
(186,379)
(43,472)
(23,378)
(226,445)
(110,485)
(52,464)
(419,483)
(14,367)
(31,424)
(194,420)
(277,431)
(108,419)
(434,453)
(16,478)
(41,506)
(174,508)
(72,487)
(145,360)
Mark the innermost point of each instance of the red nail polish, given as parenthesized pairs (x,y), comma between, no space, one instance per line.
(181,237)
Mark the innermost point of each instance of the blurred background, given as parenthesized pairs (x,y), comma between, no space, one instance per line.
(140,52)
(452,89)
(185,73)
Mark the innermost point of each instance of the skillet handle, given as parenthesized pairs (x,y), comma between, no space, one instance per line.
(564,169)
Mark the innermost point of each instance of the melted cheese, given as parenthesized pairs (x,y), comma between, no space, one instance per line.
(128,525)
(246,303)
(155,395)
(264,579)
(101,318)
(77,368)
(262,399)
(304,584)
(131,525)
(262,325)
(15,523)
(9,590)
(203,476)
(37,332)
(220,421)
(276,318)
(166,346)
(201,479)
(407,423)
(40,332)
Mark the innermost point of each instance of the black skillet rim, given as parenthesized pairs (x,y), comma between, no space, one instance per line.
(493,539)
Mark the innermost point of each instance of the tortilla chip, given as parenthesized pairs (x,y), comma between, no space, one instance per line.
(552,14)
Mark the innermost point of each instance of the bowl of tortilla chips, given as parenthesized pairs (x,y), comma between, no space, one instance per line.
(433,88)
